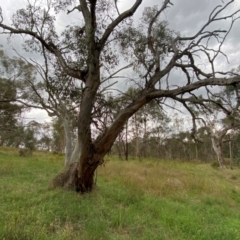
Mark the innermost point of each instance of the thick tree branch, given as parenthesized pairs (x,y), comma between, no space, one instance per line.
(194,86)
(106,140)
(50,47)
(77,8)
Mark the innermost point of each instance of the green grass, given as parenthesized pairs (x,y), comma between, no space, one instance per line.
(151,199)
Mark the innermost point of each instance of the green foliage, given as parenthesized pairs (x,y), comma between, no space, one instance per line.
(14,82)
(158,200)
(29,139)
(135,44)
(58,140)
(9,112)
(215,164)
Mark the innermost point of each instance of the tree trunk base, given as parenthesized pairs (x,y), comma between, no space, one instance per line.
(71,180)
(66,179)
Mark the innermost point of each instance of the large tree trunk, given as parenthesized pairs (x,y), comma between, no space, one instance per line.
(79,177)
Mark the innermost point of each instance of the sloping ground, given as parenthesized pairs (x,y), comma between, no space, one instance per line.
(151,199)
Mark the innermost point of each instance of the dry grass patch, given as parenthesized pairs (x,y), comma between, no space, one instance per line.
(169,179)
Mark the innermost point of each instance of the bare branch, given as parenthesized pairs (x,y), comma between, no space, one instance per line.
(119,70)
(105,88)
(150,37)
(75,8)
(118,20)
(50,47)
(115,2)
(212,18)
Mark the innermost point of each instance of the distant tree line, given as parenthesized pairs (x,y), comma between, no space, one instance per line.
(150,132)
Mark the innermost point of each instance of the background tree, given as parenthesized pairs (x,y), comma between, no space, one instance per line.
(45,137)
(220,115)
(57,94)
(9,112)
(13,71)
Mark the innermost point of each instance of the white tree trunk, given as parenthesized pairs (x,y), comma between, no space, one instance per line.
(217,147)
(76,153)
(68,135)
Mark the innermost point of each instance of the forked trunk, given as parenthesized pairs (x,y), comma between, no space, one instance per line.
(217,147)
(78,177)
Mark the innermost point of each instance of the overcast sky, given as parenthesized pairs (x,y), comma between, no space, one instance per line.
(185,16)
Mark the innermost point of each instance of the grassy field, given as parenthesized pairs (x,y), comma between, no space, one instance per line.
(148,200)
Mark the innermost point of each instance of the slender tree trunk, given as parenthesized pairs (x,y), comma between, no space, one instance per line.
(159,150)
(119,148)
(196,151)
(159,145)
(217,147)
(145,138)
(68,136)
(126,142)
(137,147)
(230,151)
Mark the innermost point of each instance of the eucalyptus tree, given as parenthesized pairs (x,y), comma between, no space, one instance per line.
(45,138)
(13,70)
(142,126)
(88,49)
(30,136)
(9,113)
(59,95)
(220,115)
(58,140)
(230,103)
(217,132)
